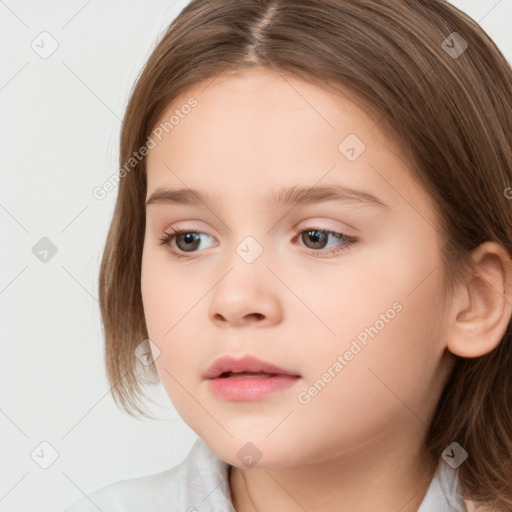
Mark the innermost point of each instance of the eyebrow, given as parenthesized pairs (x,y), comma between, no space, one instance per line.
(288,196)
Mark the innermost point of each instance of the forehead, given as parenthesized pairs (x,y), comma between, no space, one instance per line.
(256,130)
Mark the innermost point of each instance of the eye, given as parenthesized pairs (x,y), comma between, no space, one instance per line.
(188,241)
(319,238)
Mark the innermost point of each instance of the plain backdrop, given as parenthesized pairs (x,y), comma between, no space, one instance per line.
(66,71)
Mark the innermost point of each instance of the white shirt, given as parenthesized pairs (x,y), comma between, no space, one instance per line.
(200,483)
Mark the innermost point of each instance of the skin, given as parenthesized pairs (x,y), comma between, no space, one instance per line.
(358,444)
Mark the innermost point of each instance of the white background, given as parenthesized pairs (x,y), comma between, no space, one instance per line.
(60,119)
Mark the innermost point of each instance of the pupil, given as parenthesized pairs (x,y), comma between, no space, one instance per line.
(316,236)
(189,238)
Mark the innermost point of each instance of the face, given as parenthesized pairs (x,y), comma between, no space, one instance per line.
(342,292)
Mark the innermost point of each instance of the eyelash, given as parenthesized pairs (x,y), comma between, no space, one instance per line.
(167,239)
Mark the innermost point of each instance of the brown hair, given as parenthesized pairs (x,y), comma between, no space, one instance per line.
(450,113)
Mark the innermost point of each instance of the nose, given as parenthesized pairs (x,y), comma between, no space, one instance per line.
(245,297)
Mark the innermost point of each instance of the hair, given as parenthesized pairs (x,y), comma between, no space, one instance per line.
(452,117)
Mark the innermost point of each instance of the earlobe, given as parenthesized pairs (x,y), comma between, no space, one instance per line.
(482,307)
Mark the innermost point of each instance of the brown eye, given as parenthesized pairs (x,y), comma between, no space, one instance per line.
(187,241)
(317,239)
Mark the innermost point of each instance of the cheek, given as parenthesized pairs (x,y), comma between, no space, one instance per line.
(384,314)
(164,296)
(388,338)
(387,384)
(170,304)
(160,304)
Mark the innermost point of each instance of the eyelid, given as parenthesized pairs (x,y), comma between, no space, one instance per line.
(313,223)
(322,225)
(345,241)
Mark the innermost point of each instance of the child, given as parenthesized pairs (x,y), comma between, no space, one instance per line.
(340,336)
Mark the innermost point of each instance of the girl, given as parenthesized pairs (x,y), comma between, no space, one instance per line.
(338,333)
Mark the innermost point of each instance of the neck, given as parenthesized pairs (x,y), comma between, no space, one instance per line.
(362,481)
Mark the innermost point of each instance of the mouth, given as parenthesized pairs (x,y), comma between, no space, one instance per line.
(246,367)
(244,375)
(248,378)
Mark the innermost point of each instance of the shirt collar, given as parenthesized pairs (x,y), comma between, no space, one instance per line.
(207,484)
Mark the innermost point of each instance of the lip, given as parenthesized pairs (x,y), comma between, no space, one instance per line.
(247,363)
(250,388)
(245,387)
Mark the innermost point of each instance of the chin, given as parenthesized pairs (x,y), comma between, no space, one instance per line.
(255,450)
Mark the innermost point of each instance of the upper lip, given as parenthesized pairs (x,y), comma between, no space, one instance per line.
(247,363)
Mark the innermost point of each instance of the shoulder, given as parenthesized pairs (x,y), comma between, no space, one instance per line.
(178,488)
(445,493)
(472,507)
(140,493)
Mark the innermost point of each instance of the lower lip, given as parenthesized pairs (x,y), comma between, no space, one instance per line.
(250,388)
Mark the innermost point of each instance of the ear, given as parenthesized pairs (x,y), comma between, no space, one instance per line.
(482,305)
